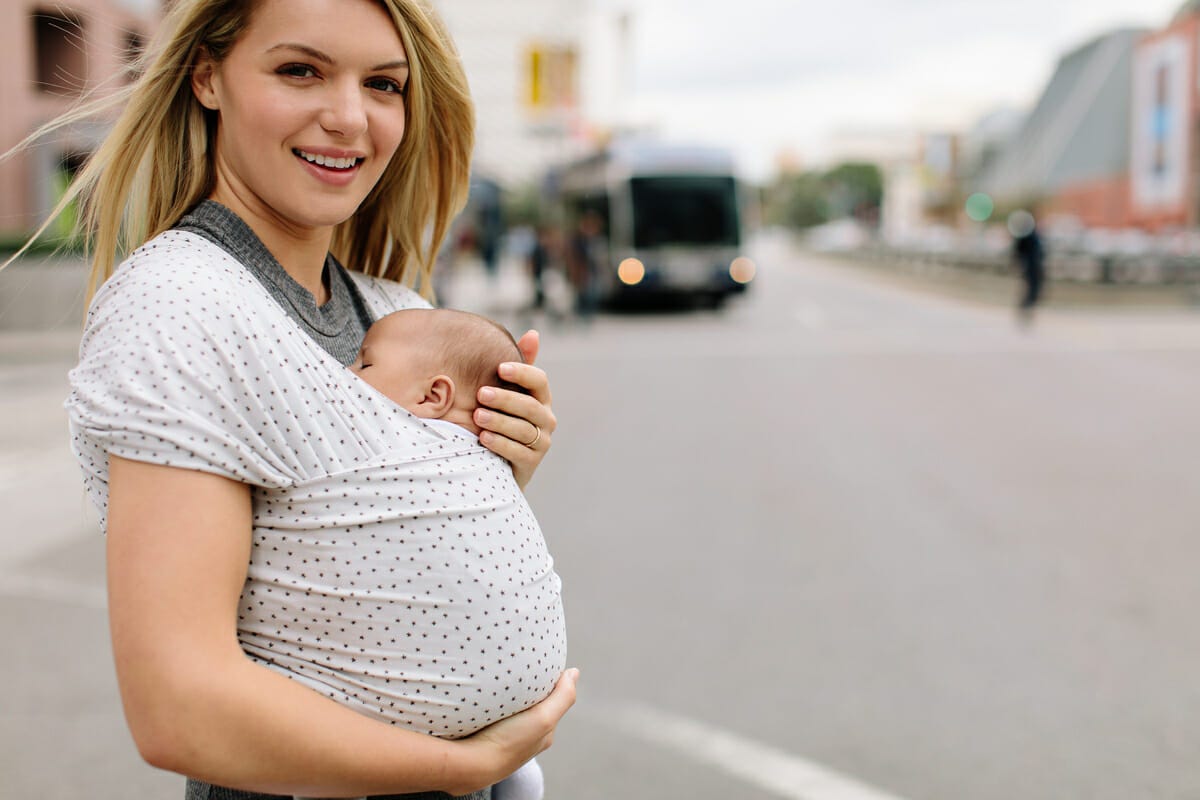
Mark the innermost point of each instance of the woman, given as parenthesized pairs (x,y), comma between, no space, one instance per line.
(263,139)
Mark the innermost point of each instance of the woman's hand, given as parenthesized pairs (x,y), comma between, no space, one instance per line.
(518,426)
(511,742)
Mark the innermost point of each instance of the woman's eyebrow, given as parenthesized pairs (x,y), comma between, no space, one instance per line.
(317,55)
(401,64)
(311,52)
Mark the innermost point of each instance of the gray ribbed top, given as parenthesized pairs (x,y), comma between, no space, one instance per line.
(338,326)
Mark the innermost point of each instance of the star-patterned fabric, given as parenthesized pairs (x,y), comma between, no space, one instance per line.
(396,566)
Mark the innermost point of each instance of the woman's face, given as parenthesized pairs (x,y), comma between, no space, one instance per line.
(310,110)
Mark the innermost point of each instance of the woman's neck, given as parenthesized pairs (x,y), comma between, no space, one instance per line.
(300,251)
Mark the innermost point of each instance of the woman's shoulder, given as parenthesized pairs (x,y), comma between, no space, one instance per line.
(384,296)
(176,262)
(177,273)
(177,287)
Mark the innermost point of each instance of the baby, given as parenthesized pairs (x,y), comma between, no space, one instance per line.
(433,362)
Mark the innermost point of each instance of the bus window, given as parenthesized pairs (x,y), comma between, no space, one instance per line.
(685,210)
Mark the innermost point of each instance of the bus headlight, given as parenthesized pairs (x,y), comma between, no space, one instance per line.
(631,271)
(742,270)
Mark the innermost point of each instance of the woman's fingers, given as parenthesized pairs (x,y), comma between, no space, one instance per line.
(516,426)
(504,402)
(528,344)
(532,730)
(562,698)
(524,460)
(522,424)
(527,375)
(516,739)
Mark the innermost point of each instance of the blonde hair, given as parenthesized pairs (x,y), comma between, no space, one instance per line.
(156,163)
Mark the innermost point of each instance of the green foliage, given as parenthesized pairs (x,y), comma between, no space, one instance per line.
(804,201)
(856,189)
(807,199)
(48,244)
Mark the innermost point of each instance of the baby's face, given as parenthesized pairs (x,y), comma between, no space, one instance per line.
(395,360)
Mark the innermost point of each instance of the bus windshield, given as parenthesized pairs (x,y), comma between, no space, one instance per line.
(685,210)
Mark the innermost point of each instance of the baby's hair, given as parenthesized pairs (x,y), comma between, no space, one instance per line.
(474,346)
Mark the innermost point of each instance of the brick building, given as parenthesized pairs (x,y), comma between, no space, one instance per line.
(52,52)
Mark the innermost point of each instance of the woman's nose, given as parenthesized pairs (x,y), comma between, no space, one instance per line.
(344,112)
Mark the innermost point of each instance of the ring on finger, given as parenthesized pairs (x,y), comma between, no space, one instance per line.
(536,436)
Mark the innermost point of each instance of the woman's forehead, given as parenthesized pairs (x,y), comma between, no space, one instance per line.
(361,30)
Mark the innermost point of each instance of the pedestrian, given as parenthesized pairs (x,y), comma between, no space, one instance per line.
(583,262)
(538,260)
(264,145)
(1030,256)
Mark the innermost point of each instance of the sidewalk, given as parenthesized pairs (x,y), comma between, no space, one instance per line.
(41,293)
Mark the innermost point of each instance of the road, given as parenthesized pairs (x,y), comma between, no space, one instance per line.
(843,539)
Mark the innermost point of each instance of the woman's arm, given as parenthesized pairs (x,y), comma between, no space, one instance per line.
(510,418)
(178,550)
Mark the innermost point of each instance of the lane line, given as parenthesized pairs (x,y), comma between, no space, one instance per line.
(761,765)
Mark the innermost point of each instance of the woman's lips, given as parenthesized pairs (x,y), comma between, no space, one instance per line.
(337,171)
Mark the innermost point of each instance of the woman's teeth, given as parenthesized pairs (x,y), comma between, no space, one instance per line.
(326,161)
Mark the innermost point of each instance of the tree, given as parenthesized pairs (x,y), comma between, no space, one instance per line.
(807,199)
(799,200)
(855,190)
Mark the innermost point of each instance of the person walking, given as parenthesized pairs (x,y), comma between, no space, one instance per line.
(1030,256)
(583,262)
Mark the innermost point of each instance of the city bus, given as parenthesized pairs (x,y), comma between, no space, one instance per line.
(669,220)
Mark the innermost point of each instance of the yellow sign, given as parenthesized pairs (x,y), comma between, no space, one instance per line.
(552,76)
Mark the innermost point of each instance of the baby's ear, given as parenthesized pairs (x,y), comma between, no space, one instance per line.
(439,397)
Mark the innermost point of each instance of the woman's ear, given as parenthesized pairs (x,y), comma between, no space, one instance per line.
(204,76)
(439,397)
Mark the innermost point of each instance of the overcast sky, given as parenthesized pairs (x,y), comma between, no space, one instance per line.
(764,76)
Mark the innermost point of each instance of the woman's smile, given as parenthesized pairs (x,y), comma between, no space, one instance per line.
(331,168)
(329,162)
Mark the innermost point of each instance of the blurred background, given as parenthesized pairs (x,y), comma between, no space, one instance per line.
(874,335)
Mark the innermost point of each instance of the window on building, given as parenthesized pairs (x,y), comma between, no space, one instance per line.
(60,53)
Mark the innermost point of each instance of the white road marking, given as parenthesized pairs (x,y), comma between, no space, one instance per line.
(756,763)
(71,592)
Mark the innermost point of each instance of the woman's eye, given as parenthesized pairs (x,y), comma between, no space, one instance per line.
(297,71)
(385,85)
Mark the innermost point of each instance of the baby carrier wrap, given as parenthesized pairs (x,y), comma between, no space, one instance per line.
(395,567)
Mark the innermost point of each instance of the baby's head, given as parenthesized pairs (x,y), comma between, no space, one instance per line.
(432,361)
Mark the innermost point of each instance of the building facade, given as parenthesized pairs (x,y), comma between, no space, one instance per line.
(1114,140)
(54,53)
(1071,155)
(548,78)
(1164,154)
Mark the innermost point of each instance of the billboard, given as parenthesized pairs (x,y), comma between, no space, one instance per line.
(1161,111)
